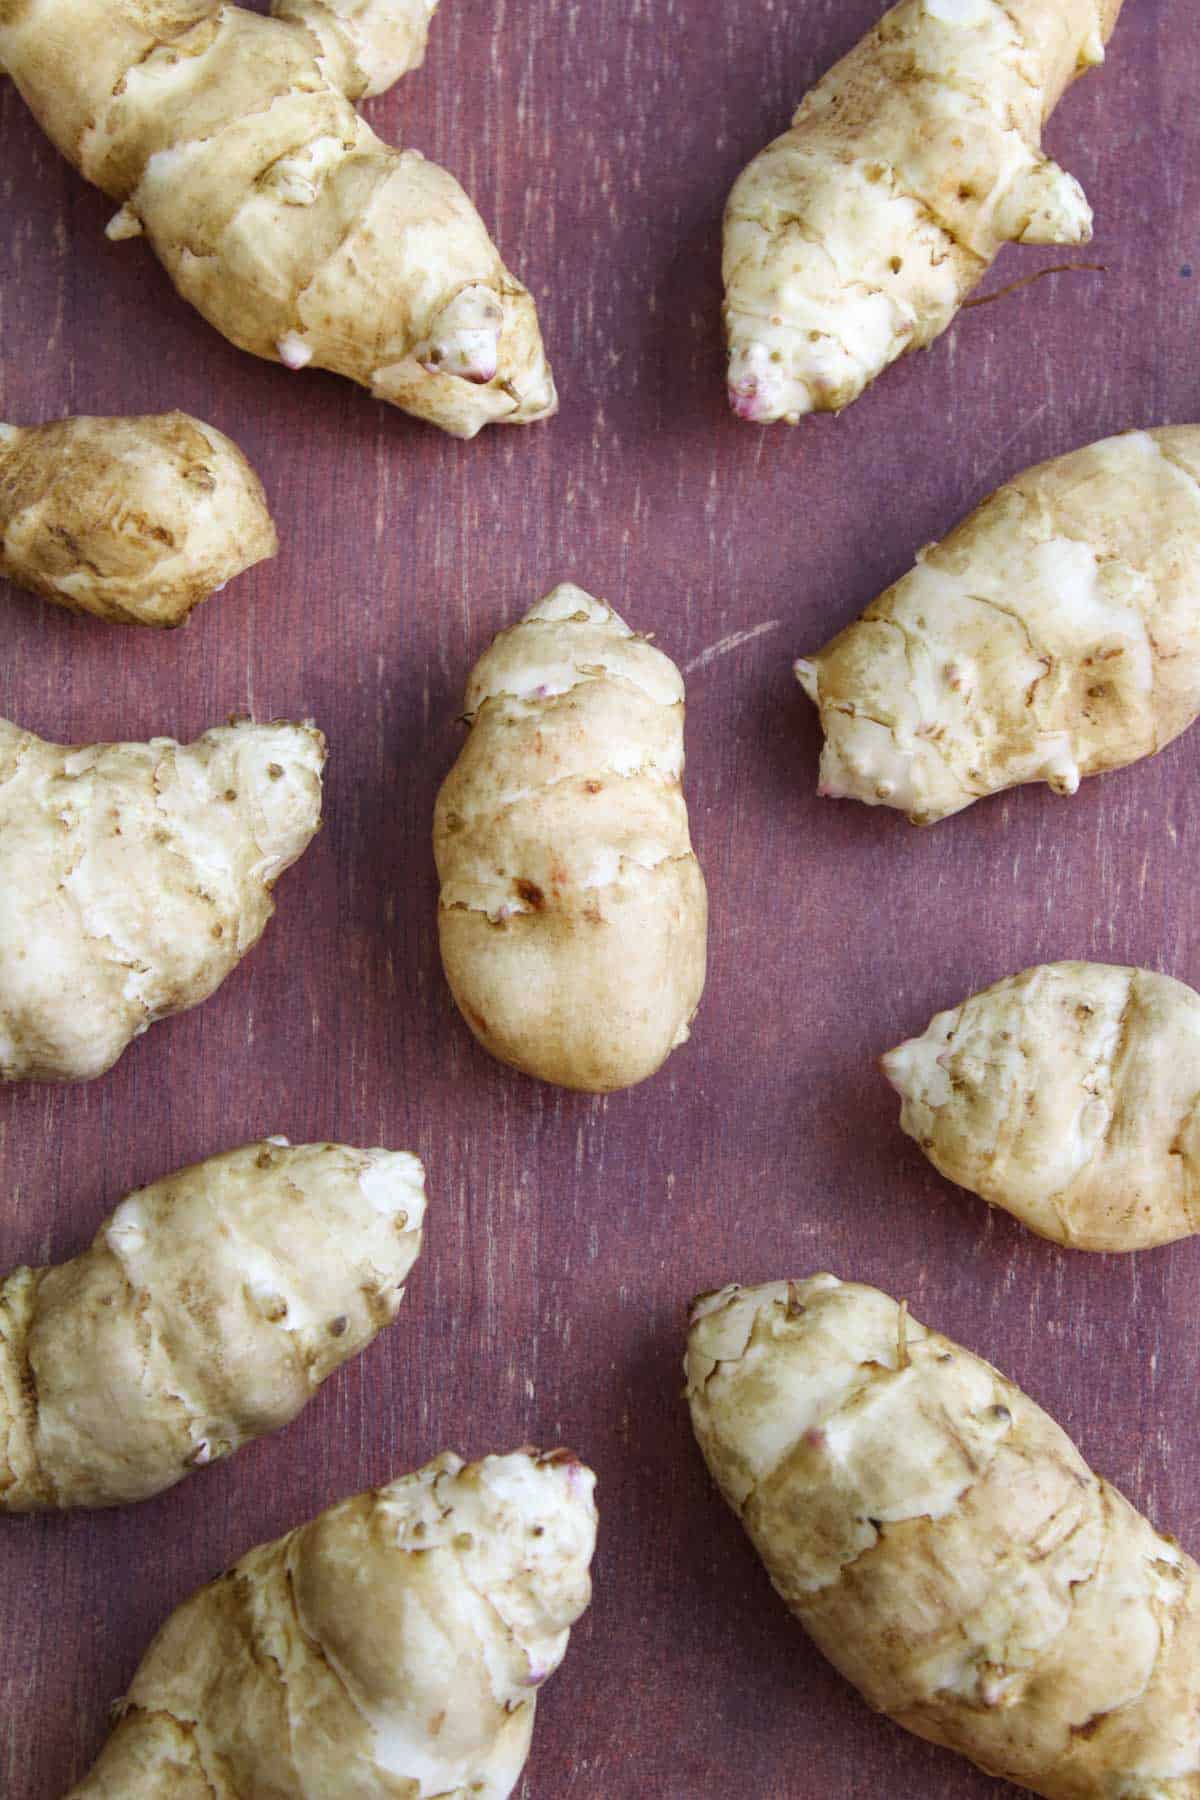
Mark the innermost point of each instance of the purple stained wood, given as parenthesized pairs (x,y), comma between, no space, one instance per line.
(566,1234)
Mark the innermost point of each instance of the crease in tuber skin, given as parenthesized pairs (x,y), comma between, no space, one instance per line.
(390,1650)
(945,1545)
(135,520)
(232,143)
(857,235)
(134,878)
(573,913)
(1053,635)
(207,1312)
(1069,1095)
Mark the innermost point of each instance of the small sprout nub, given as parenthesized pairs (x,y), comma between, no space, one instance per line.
(123,225)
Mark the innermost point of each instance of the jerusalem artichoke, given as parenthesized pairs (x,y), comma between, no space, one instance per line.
(390,1650)
(136,520)
(1054,634)
(1070,1096)
(231,141)
(134,878)
(573,910)
(945,1544)
(207,1312)
(858,234)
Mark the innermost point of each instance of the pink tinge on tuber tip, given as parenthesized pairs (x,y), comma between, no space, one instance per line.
(294,353)
(747,402)
(465,339)
(479,367)
(575,1480)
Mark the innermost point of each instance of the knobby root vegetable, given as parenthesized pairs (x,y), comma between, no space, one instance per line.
(390,1650)
(134,878)
(207,1312)
(573,910)
(136,520)
(1070,1096)
(858,234)
(1054,634)
(945,1544)
(232,142)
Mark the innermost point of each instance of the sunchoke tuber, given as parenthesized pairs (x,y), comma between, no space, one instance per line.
(858,234)
(945,1544)
(134,878)
(207,1312)
(1054,634)
(232,142)
(390,1650)
(136,520)
(573,914)
(1070,1096)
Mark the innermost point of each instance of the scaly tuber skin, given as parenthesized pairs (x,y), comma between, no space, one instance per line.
(1054,634)
(134,878)
(208,1311)
(946,1546)
(134,520)
(1070,1096)
(232,143)
(858,234)
(573,913)
(390,1650)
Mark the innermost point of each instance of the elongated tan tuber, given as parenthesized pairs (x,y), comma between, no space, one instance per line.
(573,914)
(231,141)
(134,878)
(390,1650)
(945,1544)
(136,520)
(1070,1096)
(858,234)
(1054,634)
(207,1312)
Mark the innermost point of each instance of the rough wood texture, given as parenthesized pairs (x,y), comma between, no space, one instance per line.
(566,1234)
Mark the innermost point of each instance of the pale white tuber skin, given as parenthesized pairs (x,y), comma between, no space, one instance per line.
(946,1546)
(390,1650)
(231,141)
(1069,1095)
(858,234)
(207,1312)
(1054,634)
(134,878)
(135,520)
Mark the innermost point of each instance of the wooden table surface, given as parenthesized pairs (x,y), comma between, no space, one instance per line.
(566,1234)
